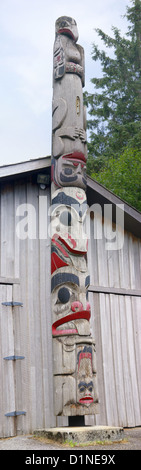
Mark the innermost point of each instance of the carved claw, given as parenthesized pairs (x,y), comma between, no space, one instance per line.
(72,132)
(76,132)
(82,135)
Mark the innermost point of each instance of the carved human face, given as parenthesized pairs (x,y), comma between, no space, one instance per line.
(68,26)
(70,172)
(85,382)
(85,393)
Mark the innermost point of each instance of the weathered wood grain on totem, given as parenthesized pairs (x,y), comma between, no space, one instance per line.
(75,384)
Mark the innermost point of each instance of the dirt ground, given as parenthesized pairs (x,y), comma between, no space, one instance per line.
(131,441)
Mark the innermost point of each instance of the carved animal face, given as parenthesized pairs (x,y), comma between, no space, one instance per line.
(71,311)
(70,172)
(66,25)
(68,213)
(69,291)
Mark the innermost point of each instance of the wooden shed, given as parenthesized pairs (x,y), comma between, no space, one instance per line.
(26,376)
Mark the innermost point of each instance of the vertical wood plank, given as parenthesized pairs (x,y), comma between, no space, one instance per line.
(136,310)
(117,358)
(101,417)
(33,316)
(25,312)
(3,233)
(19,350)
(7,366)
(92,253)
(102,258)
(107,351)
(46,332)
(7,232)
(125,361)
(133,266)
(124,269)
(132,362)
(16,238)
(112,262)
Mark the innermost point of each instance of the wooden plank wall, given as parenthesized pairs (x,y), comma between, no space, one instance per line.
(116,325)
(7,380)
(27,262)
(115,321)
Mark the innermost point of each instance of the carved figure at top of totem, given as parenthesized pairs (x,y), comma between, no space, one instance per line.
(69,116)
(67,25)
(73,347)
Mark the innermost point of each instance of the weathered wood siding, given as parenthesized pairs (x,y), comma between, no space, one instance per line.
(26,265)
(7,380)
(26,385)
(117,328)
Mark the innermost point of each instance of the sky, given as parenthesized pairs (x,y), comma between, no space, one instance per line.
(27,33)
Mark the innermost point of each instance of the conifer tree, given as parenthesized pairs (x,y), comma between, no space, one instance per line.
(115,106)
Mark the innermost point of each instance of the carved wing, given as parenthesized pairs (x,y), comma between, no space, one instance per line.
(58,59)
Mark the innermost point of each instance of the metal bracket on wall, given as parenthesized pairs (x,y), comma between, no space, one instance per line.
(13,358)
(15,413)
(13,304)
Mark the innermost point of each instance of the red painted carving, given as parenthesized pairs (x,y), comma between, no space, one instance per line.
(76,305)
(56,262)
(71,249)
(83,355)
(76,156)
(73,316)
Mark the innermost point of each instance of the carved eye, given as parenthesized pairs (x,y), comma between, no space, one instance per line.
(82,389)
(63,24)
(63,295)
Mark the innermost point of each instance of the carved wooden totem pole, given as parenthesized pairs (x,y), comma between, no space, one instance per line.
(75,390)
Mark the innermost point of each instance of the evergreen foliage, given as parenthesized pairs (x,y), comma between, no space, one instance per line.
(115,109)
